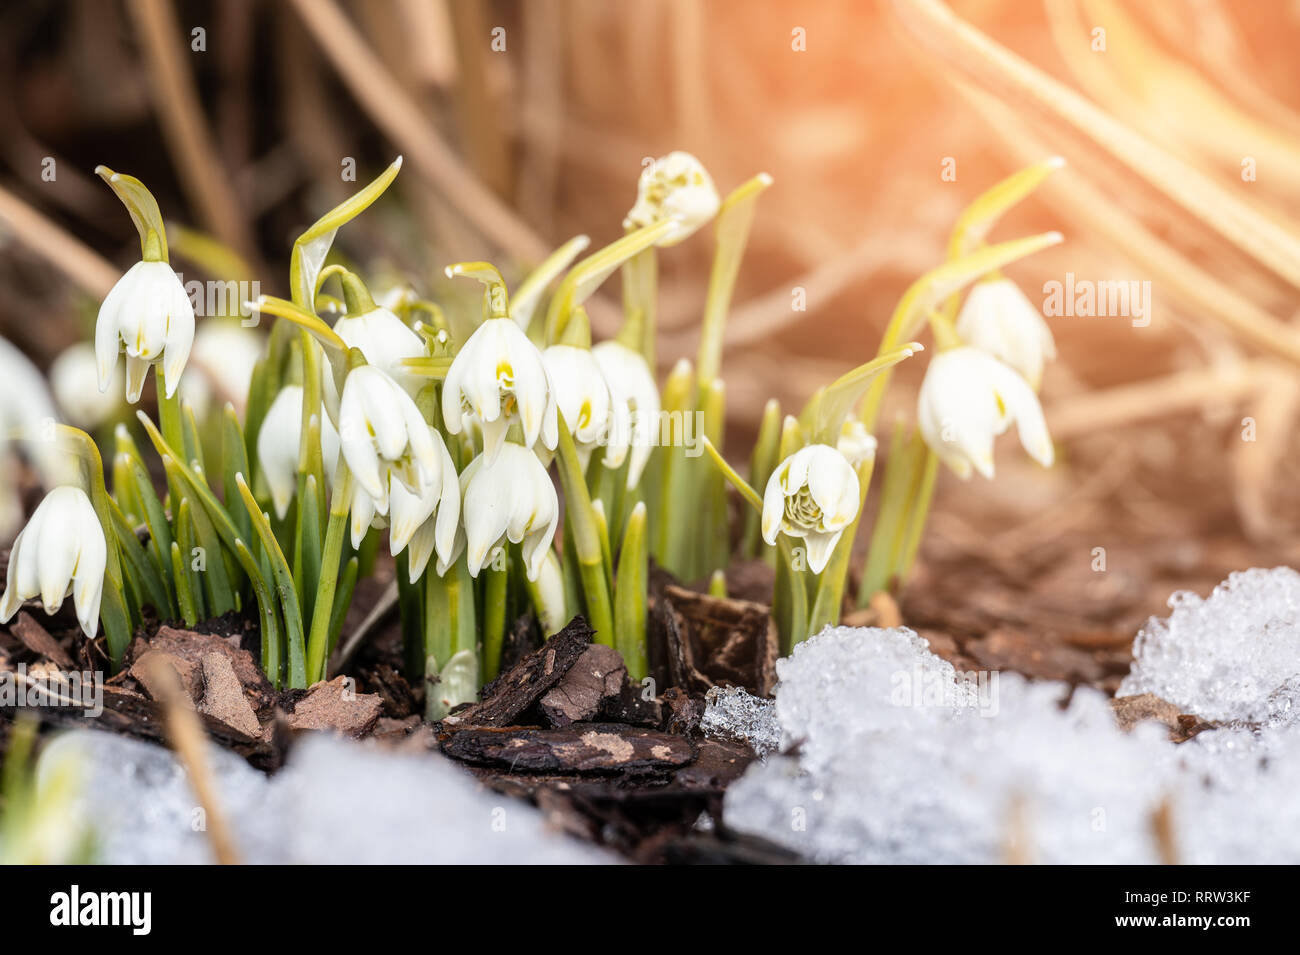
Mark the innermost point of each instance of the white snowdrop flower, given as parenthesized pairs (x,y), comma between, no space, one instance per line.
(498,376)
(278,446)
(382,435)
(581,394)
(813,495)
(148,315)
(676,186)
(385,340)
(855,442)
(426,522)
(634,413)
(967,399)
(61,551)
(221,365)
(73,379)
(511,498)
(999,319)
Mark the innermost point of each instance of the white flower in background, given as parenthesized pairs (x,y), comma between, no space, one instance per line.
(813,494)
(511,498)
(427,521)
(999,319)
(148,315)
(383,435)
(221,365)
(74,381)
(581,394)
(497,377)
(856,443)
(676,186)
(61,551)
(385,340)
(27,415)
(634,415)
(278,446)
(967,399)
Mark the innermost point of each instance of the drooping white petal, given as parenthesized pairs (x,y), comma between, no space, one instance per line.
(997,318)
(635,400)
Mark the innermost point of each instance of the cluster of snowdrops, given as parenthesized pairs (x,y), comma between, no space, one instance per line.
(362,414)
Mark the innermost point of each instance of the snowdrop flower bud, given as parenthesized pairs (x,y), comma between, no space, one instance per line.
(278,445)
(61,551)
(148,315)
(581,394)
(382,435)
(676,186)
(856,443)
(427,521)
(967,399)
(634,414)
(511,498)
(999,319)
(498,376)
(385,340)
(812,494)
(73,381)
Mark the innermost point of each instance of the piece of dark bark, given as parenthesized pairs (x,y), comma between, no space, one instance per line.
(595,678)
(507,697)
(396,693)
(597,748)
(37,639)
(720,642)
(684,711)
(630,706)
(223,696)
(523,637)
(335,705)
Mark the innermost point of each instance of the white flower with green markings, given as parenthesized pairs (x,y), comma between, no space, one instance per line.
(511,498)
(383,436)
(61,551)
(498,377)
(426,522)
(634,415)
(967,399)
(676,186)
(148,316)
(999,319)
(581,394)
(278,446)
(812,495)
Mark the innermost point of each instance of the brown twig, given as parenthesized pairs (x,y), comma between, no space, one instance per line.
(81,264)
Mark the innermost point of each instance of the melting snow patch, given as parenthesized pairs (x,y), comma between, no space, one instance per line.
(336,801)
(1234,656)
(734,713)
(890,755)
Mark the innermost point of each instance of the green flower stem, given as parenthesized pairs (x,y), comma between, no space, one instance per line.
(630,596)
(674,517)
(494,619)
(831,582)
(586,539)
(330,563)
(900,477)
(641,303)
(713,535)
(919,513)
(602,531)
(185,594)
(169,416)
(342,599)
(762,463)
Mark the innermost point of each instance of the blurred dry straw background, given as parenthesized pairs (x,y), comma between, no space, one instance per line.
(523,124)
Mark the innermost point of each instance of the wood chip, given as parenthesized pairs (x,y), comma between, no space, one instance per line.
(336,705)
(144,670)
(37,639)
(223,696)
(596,677)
